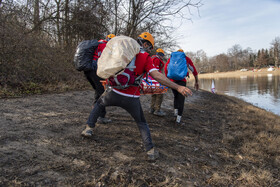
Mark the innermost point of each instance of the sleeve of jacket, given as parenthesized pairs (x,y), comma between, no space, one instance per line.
(165,67)
(161,65)
(191,66)
(155,61)
(149,67)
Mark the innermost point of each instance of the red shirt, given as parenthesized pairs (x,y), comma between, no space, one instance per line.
(158,63)
(190,67)
(143,64)
(100,48)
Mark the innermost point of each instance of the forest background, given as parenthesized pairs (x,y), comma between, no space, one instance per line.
(38,39)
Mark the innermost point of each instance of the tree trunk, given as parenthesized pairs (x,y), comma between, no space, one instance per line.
(116,17)
(36,18)
(59,40)
(67,30)
(276,56)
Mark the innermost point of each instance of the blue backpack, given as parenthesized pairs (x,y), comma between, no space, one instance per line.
(177,67)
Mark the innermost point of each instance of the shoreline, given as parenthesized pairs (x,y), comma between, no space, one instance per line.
(223,89)
(238,73)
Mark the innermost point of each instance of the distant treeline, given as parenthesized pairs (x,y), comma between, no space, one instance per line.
(238,58)
(38,39)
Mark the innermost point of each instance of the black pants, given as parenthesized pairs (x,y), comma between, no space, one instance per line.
(131,105)
(94,80)
(179,99)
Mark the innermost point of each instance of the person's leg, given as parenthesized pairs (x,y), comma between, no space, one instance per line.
(99,87)
(158,101)
(180,99)
(99,90)
(180,102)
(133,107)
(153,101)
(158,112)
(105,100)
(175,102)
(88,77)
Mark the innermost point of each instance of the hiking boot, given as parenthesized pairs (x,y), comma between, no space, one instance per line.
(178,119)
(153,154)
(151,111)
(159,113)
(104,120)
(88,132)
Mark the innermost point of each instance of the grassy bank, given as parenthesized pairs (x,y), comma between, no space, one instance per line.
(238,73)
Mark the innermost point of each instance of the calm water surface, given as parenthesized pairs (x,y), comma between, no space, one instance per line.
(260,90)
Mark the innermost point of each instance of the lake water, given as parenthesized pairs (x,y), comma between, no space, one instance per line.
(260,90)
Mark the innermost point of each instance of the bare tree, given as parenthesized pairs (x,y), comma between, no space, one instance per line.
(116,2)
(235,53)
(276,50)
(58,26)
(67,25)
(36,20)
(222,62)
(155,16)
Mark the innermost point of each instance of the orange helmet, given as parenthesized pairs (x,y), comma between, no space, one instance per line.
(159,50)
(110,36)
(147,36)
(181,50)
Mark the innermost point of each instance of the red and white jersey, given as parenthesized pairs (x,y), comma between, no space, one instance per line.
(158,63)
(143,64)
(99,50)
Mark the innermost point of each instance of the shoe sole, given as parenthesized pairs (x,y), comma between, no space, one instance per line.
(86,136)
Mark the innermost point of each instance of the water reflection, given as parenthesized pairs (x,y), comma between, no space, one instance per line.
(260,90)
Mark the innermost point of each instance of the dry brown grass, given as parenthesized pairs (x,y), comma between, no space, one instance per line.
(255,177)
(238,73)
(31,64)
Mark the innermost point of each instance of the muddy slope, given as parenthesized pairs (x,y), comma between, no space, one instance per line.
(223,141)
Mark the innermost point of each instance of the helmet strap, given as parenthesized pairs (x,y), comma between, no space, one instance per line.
(141,41)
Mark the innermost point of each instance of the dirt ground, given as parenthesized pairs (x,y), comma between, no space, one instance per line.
(223,141)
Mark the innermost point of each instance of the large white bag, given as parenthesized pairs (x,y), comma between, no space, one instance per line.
(118,52)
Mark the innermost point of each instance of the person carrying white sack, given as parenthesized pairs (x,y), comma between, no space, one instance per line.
(128,98)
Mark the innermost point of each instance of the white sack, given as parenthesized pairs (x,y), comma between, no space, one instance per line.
(118,52)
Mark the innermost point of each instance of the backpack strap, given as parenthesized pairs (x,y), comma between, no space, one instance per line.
(131,66)
(119,84)
(138,80)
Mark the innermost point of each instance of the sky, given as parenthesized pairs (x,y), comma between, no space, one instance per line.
(221,24)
